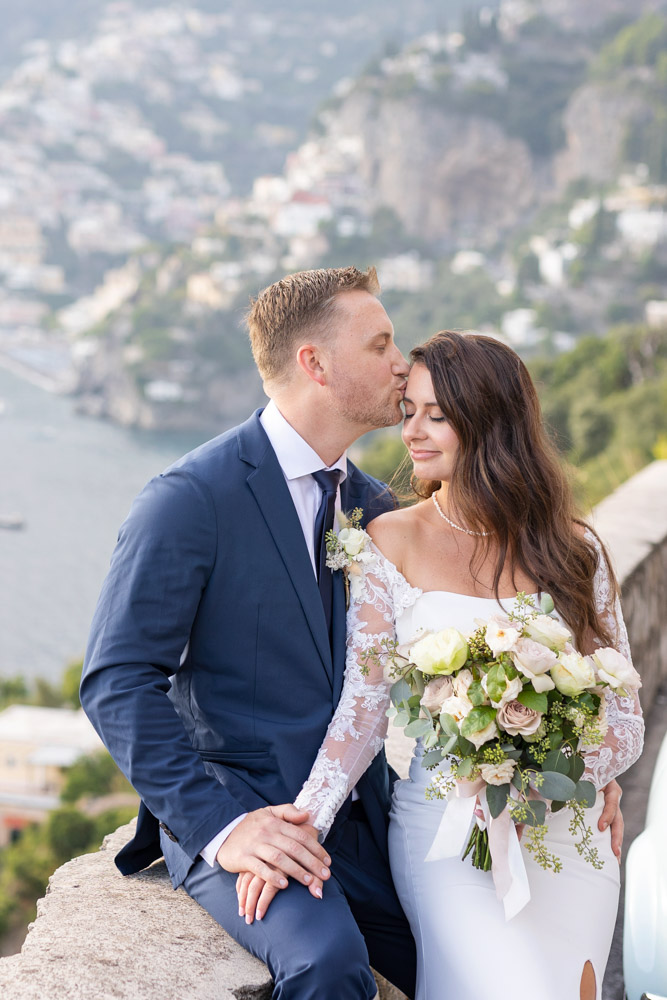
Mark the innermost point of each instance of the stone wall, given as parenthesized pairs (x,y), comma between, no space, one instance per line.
(99,935)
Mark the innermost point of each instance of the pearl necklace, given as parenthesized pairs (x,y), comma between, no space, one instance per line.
(466,531)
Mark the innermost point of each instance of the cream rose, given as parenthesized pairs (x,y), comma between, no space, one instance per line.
(457,707)
(614,669)
(435,692)
(512,689)
(501,634)
(461,682)
(483,736)
(548,631)
(497,774)
(353,540)
(573,673)
(534,661)
(440,652)
(518,720)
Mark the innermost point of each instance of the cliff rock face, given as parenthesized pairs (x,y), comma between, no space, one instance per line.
(595,122)
(449,177)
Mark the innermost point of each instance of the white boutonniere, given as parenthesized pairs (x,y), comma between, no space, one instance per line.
(348,551)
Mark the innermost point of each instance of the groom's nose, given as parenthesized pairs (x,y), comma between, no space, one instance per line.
(399,365)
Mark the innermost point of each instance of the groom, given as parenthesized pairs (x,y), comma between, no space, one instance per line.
(217,650)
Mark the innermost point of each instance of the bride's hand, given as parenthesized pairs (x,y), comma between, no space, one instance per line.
(255,895)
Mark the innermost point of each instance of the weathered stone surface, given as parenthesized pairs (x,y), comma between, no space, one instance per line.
(100,936)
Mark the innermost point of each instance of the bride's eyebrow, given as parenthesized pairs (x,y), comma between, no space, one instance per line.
(406,399)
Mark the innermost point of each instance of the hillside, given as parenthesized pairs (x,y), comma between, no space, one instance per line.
(508,176)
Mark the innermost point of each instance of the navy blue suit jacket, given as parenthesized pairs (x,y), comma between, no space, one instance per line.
(209,674)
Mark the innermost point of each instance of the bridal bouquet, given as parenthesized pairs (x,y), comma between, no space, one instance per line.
(513,707)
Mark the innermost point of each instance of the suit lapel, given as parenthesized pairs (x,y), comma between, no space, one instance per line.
(272,495)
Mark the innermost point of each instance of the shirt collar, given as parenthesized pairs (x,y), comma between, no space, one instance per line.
(295,455)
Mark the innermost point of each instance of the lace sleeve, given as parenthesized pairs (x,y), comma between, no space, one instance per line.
(359,725)
(625,734)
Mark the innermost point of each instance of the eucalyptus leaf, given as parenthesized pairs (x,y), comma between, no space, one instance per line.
(555,785)
(537,701)
(557,806)
(585,793)
(556,761)
(496,796)
(402,719)
(546,604)
(577,767)
(447,745)
(432,758)
(465,767)
(400,692)
(537,812)
(465,747)
(477,719)
(430,739)
(417,728)
(449,724)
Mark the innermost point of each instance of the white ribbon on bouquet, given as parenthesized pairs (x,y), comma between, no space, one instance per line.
(507,864)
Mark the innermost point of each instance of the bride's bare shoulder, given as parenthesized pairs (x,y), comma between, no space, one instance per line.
(394,532)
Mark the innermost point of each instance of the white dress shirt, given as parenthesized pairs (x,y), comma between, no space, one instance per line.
(298,462)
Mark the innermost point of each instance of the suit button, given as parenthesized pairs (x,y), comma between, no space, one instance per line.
(163,826)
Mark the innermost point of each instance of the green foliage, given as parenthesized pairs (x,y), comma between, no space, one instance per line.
(71,682)
(642,43)
(68,833)
(386,459)
(91,777)
(13,690)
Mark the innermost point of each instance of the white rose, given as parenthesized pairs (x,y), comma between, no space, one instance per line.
(501,634)
(615,670)
(353,540)
(573,673)
(435,693)
(497,774)
(484,735)
(440,652)
(512,689)
(548,631)
(534,661)
(461,682)
(457,707)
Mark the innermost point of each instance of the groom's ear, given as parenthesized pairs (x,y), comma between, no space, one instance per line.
(308,358)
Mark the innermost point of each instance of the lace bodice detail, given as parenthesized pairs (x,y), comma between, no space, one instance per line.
(385,606)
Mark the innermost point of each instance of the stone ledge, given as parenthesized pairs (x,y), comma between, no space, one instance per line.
(102,936)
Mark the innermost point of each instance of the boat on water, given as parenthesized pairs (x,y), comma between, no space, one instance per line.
(12,522)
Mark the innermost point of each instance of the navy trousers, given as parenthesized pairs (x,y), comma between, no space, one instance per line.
(322,949)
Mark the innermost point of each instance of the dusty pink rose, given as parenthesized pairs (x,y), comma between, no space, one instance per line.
(435,692)
(517,720)
(534,661)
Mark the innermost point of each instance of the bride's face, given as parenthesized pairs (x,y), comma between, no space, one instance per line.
(427,434)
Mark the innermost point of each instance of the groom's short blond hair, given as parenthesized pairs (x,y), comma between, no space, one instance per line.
(300,305)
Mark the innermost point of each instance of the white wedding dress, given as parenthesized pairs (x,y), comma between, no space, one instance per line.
(466,949)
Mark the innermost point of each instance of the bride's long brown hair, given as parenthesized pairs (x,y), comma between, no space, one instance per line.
(507,478)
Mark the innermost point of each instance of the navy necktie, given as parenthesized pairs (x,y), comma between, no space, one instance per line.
(327,480)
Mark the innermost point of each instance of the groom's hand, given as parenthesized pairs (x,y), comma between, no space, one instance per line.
(276,843)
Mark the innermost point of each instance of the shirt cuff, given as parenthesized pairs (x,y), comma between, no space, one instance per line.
(210,852)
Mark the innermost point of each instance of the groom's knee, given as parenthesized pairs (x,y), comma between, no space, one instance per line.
(331,964)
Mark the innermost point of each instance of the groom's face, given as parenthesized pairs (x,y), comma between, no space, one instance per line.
(367,370)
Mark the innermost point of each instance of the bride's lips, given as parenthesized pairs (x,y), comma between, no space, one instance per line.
(420,456)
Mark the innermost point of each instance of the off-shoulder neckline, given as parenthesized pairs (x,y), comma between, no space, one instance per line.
(447,593)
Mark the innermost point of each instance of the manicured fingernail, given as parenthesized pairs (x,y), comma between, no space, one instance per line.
(241,911)
(307,878)
(259,914)
(327,860)
(325,873)
(318,893)
(248,920)
(283,883)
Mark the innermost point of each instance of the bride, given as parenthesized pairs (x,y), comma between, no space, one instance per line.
(496,518)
